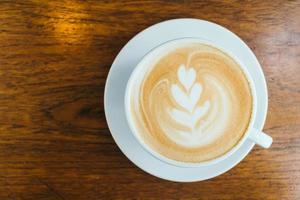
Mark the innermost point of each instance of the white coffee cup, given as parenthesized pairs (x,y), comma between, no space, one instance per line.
(257,136)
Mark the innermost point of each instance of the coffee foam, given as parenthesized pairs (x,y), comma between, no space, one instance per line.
(192,104)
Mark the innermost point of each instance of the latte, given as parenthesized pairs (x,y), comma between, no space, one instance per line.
(192,103)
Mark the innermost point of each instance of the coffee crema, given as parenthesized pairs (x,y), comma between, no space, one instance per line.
(192,104)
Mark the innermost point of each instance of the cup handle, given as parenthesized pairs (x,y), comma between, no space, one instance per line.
(260,138)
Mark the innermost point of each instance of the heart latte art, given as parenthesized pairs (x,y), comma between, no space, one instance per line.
(192,103)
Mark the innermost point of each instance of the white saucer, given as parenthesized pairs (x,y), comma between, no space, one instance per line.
(128,58)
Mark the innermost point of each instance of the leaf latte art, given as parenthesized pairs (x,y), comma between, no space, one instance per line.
(188,99)
(192,103)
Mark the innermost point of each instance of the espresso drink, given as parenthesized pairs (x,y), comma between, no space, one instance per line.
(192,103)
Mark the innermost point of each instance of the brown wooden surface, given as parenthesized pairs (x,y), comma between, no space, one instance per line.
(54,59)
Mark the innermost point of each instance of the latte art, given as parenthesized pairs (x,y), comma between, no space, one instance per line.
(192,104)
(191,114)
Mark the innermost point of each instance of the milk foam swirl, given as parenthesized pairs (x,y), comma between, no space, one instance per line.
(193,104)
(195,118)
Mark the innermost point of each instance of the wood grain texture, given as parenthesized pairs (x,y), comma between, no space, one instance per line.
(54,59)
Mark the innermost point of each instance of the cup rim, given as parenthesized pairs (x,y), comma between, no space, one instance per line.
(154,153)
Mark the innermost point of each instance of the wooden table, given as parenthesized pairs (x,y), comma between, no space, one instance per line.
(54,59)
